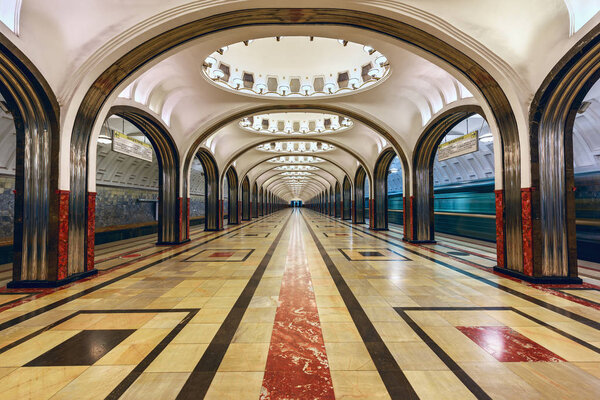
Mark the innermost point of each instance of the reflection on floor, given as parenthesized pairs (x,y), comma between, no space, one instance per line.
(298,305)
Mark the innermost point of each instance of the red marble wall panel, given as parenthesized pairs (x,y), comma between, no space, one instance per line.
(63,233)
(91,231)
(526,216)
(500,227)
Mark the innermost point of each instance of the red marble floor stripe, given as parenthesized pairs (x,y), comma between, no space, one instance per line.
(297,365)
(508,345)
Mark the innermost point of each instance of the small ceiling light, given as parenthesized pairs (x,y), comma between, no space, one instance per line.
(260,88)
(346,121)
(329,87)
(218,74)
(223,50)
(210,61)
(238,83)
(306,89)
(381,60)
(343,42)
(246,122)
(369,50)
(353,83)
(373,72)
(284,89)
(247,42)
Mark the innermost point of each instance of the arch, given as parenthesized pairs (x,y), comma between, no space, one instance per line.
(254,203)
(419,218)
(233,213)
(213,214)
(347,199)
(358,211)
(338,201)
(261,202)
(246,213)
(118,72)
(549,212)
(40,243)
(378,218)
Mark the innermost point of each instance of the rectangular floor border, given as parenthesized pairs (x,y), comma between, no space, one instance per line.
(200,379)
(391,374)
(541,303)
(84,292)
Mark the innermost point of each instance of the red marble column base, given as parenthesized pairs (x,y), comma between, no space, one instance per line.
(500,227)
(63,233)
(91,231)
(527,221)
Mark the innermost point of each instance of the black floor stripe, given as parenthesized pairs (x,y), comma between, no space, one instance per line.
(59,303)
(541,303)
(390,372)
(204,372)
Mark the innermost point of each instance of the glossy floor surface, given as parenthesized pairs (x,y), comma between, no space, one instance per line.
(298,305)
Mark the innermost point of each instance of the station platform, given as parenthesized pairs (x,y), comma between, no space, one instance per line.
(301,305)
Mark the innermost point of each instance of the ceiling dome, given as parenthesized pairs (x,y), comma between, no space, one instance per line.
(296,66)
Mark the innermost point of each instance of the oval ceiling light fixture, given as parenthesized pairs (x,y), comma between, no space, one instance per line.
(295,168)
(296,160)
(296,147)
(296,123)
(295,67)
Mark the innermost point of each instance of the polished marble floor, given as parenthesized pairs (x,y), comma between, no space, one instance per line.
(298,305)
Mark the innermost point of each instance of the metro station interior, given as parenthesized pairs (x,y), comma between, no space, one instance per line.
(257,199)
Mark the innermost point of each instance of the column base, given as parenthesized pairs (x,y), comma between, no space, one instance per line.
(558,280)
(172,243)
(50,284)
(419,241)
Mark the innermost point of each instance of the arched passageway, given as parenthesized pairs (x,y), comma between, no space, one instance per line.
(337,211)
(379,205)
(395,193)
(254,204)
(246,212)
(212,203)
(40,234)
(358,211)
(347,199)
(233,211)
(558,111)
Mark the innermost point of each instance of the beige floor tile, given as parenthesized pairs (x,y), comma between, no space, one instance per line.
(469,318)
(165,320)
(358,385)
(159,386)
(235,386)
(437,385)
(96,382)
(253,332)
(398,331)
(123,321)
(210,316)
(334,314)
(134,348)
(497,380)
(197,333)
(241,357)
(178,357)
(416,356)
(37,382)
(590,367)
(349,356)
(340,332)
(558,380)
(260,314)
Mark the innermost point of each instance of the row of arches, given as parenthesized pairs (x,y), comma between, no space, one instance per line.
(53,228)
